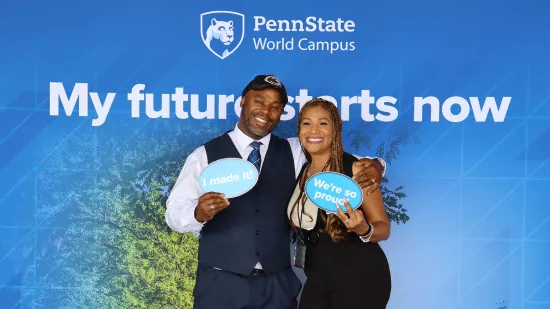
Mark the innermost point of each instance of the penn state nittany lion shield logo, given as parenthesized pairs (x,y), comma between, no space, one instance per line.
(222,32)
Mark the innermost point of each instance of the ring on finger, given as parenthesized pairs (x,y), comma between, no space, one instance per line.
(212,207)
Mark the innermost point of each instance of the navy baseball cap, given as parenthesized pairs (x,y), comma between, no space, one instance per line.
(267,81)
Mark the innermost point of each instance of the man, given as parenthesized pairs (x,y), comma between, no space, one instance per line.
(244,251)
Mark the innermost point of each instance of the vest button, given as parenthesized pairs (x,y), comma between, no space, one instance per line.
(257,209)
(258,253)
(257,232)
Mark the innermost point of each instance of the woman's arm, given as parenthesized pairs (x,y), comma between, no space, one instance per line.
(373,210)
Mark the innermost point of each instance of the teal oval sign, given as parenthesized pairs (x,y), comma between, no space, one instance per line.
(232,177)
(325,189)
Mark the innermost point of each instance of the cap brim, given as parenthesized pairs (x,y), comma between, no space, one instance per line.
(283,94)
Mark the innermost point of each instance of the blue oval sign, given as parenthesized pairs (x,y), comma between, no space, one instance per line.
(232,177)
(325,189)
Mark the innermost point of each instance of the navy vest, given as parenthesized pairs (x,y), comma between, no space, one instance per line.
(254,227)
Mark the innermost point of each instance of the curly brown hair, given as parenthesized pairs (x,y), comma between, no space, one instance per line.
(333,225)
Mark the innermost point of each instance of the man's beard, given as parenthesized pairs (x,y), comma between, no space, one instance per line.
(257,133)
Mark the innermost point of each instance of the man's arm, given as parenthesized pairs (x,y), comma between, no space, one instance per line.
(382,166)
(184,197)
(300,159)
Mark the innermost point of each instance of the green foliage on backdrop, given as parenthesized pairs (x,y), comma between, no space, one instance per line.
(118,251)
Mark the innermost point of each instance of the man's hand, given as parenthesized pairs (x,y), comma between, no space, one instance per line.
(209,205)
(368,174)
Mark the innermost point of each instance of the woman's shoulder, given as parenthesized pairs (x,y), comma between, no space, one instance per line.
(348,159)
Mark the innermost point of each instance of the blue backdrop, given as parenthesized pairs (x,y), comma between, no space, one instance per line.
(75,148)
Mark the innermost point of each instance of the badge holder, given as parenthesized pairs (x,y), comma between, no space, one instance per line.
(299,260)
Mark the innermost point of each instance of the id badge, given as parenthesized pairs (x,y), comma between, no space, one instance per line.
(300,256)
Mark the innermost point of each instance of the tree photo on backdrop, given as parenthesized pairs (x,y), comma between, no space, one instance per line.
(117,251)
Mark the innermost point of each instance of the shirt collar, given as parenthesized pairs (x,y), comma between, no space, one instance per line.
(245,140)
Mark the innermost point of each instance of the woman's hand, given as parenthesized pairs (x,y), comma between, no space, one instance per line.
(354,220)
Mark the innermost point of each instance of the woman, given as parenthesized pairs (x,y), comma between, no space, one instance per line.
(344,265)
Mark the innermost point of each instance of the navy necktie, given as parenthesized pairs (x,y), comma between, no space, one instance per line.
(254,156)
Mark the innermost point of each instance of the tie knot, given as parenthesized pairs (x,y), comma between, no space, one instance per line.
(255,145)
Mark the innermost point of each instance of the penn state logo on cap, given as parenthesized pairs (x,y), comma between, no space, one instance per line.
(273,80)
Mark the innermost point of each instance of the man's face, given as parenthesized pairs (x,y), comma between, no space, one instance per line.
(261,111)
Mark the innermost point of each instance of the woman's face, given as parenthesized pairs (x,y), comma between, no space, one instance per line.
(316,130)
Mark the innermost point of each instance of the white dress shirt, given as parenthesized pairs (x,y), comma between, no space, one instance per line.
(184,197)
